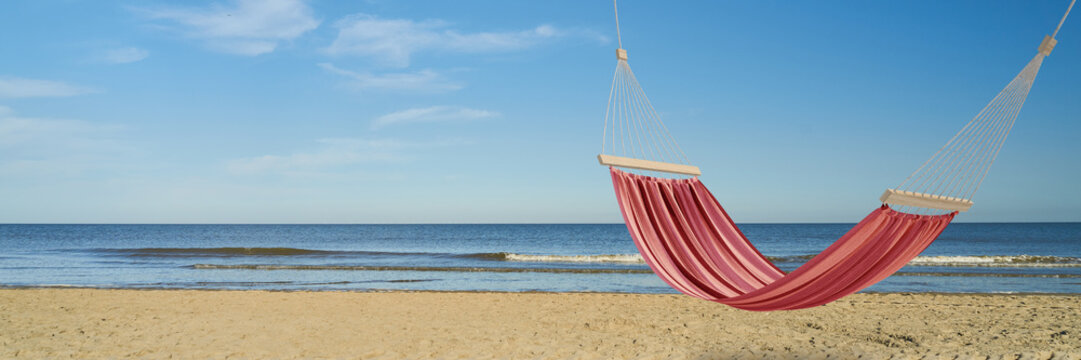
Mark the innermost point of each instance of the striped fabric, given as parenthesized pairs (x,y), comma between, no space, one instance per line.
(692,244)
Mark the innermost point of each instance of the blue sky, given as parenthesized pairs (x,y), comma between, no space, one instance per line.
(491,111)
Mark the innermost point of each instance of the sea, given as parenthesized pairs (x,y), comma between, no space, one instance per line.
(967,258)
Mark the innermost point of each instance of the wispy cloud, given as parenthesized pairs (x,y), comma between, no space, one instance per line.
(432,114)
(54,146)
(393,41)
(244,27)
(13,87)
(334,152)
(16,130)
(418,81)
(124,55)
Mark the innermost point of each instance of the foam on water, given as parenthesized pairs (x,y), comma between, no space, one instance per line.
(553,270)
(610,258)
(997,261)
(944,261)
(418,268)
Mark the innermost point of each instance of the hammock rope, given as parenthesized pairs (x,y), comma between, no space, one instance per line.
(691,243)
(632,126)
(958,168)
(1053,35)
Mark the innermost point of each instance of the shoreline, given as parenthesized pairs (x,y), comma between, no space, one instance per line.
(96,323)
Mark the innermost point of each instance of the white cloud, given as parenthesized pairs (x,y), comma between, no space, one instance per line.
(244,27)
(432,114)
(393,41)
(124,55)
(334,152)
(13,87)
(419,81)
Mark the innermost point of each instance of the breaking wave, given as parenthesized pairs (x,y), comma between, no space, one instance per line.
(1016,261)
(997,261)
(608,258)
(553,270)
(221,251)
(417,268)
(943,261)
(241,251)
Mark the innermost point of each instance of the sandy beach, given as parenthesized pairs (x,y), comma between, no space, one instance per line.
(90,323)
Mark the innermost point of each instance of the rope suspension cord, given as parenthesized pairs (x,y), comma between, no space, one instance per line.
(991,148)
(639,139)
(976,144)
(989,116)
(607,109)
(619,38)
(642,126)
(668,139)
(1054,34)
(950,178)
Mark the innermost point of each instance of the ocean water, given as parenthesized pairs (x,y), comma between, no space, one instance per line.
(980,258)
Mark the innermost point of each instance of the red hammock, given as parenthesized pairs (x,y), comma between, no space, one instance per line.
(689,241)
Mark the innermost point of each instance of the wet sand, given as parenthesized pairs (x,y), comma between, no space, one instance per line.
(89,323)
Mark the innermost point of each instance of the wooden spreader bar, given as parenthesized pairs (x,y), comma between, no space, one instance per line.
(909,198)
(625,162)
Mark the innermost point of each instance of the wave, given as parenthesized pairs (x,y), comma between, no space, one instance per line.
(607,258)
(983,274)
(557,270)
(602,258)
(1017,261)
(997,261)
(284,251)
(220,251)
(942,261)
(417,268)
(272,283)
(969,260)
(244,251)
(790,259)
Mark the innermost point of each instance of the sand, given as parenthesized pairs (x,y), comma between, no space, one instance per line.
(90,323)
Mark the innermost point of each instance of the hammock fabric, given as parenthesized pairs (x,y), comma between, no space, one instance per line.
(689,241)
